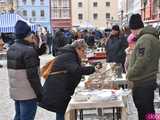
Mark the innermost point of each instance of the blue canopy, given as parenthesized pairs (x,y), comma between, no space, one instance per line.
(8,21)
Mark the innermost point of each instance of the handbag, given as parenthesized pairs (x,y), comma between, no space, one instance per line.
(48,69)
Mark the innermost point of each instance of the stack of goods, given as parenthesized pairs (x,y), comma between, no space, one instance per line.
(98,53)
(102,78)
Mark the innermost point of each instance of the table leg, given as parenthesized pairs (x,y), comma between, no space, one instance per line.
(113,113)
(100,112)
(81,114)
(75,112)
(118,113)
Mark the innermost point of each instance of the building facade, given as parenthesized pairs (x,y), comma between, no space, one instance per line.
(36,11)
(133,6)
(7,6)
(94,13)
(61,14)
(151,11)
(123,11)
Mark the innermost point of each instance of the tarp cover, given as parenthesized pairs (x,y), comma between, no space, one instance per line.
(8,21)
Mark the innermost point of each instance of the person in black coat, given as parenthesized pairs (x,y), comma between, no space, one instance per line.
(58,42)
(59,88)
(115,47)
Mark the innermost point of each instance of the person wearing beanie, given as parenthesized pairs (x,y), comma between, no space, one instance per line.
(136,22)
(143,66)
(23,72)
(115,28)
(22,29)
(115,47)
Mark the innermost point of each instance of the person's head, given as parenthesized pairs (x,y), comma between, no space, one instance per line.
(115,30)
(80,47)
(23,31)
(136,23)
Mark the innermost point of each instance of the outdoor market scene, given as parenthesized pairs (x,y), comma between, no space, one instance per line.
(80,60)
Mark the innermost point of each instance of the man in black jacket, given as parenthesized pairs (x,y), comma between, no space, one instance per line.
(23,67)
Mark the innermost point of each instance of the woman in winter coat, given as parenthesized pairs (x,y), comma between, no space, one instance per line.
(59,88)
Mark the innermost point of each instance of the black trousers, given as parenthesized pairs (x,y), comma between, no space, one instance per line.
(143,98)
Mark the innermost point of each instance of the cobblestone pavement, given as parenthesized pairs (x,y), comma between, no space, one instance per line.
(7,104)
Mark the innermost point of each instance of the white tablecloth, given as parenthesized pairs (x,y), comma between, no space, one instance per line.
(77,105)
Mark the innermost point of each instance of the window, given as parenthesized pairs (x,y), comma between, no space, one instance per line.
(54,13)
(80,4)
(65,3)
(42,13)
(61,9)
(95,16)
(24,13)
(24,1)
(107,4)
(65,13)
(80,16)
(107,15)
(33,2)
(42,2)
(33,13)
(95,4)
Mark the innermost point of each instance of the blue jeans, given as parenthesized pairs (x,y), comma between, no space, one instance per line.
(25,109)
(60,115)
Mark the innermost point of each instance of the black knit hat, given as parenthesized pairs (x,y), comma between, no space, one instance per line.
(136,22)
(22,29)
(115,27)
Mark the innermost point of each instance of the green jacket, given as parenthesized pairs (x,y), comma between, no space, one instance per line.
(143,65)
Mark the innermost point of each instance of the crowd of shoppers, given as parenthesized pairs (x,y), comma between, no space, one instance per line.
(135,48)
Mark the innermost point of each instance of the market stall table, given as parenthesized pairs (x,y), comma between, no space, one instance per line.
(120,82)
(80,105)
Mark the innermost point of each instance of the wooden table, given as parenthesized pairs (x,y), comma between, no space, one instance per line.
(78,106)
